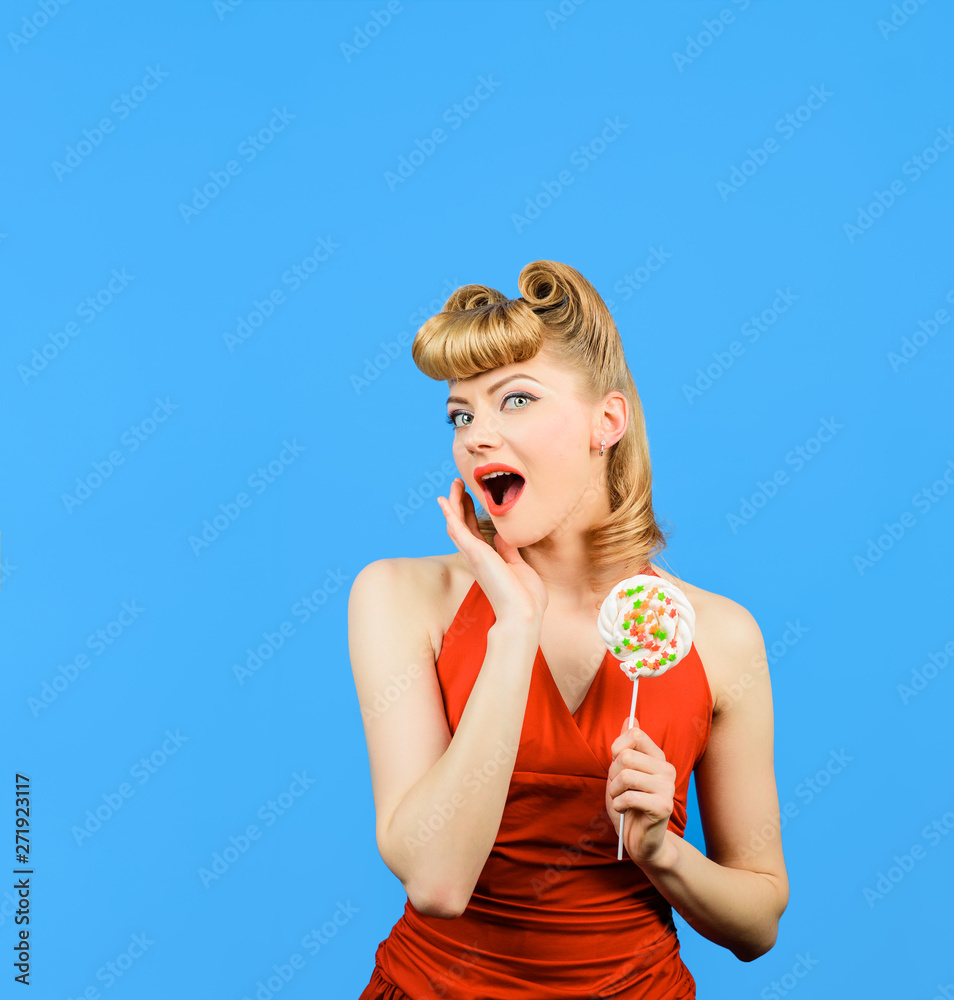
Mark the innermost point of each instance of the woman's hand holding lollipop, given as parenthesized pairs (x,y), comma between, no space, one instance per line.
(648,624)
(640,785)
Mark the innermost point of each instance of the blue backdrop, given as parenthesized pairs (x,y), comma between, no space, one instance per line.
(223,223)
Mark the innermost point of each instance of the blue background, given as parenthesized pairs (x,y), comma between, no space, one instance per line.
(329,371)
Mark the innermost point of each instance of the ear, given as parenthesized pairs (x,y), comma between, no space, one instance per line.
(612,419)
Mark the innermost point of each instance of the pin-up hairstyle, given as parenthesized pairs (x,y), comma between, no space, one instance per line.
(559,311)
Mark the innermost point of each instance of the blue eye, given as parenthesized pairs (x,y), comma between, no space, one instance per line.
(452,418)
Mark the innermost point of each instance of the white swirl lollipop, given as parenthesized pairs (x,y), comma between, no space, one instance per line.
(648,625)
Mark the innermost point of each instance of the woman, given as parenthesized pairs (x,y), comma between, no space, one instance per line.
(500,771)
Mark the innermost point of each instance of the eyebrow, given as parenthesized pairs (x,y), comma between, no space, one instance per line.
(493,388)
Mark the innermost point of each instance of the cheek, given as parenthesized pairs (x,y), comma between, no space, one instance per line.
(561,439)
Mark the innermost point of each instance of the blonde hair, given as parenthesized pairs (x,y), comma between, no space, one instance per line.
(559,311)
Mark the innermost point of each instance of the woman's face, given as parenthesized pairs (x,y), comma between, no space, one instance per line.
(529,418)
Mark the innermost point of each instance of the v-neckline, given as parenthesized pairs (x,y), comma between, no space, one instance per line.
(597,677)
(586,697)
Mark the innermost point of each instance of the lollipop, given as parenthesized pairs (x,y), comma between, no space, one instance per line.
(648,625)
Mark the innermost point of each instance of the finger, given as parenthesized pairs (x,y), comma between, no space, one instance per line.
(509,553)
(635,762)
(637,739)
(470,515)
(630,779)
(627,736)
(651,805)
(452,520)
(464,506)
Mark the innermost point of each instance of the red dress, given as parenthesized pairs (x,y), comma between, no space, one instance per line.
(554,914)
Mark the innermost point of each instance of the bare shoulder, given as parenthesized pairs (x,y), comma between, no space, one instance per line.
(424,585)
(728,638)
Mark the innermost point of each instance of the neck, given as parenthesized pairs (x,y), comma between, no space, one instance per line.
(562,559)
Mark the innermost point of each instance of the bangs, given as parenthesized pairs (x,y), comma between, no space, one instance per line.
(459,344)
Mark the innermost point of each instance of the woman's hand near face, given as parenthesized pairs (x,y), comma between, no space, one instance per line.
(512,587)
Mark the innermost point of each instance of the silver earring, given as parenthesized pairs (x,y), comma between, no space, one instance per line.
(601,448)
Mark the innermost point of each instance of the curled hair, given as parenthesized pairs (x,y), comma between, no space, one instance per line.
(480,329)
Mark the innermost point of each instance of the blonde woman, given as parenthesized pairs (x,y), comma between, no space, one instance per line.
(501,770)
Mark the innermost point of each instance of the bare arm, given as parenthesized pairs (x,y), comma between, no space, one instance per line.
(438,806)
(732,895)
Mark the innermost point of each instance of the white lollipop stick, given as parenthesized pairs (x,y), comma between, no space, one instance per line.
(632,719)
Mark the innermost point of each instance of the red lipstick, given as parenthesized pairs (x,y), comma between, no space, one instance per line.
(512,494)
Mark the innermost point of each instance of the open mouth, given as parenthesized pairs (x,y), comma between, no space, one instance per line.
(502,490)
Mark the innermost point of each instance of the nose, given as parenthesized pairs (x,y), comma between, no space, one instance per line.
(481,435)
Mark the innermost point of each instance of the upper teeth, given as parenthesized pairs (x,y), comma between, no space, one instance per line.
(490,475)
